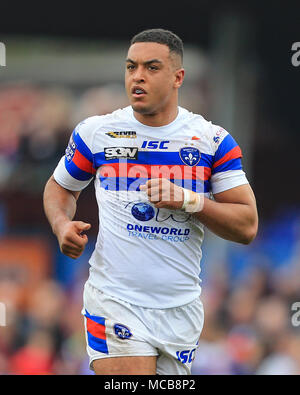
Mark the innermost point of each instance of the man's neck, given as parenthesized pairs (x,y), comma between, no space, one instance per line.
(157,119)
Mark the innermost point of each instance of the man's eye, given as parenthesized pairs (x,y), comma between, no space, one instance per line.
(153,68)
(130,67)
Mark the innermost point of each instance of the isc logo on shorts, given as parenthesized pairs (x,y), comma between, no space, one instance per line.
(121,152)
(186,356)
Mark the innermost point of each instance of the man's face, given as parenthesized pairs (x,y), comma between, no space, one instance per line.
(151,77)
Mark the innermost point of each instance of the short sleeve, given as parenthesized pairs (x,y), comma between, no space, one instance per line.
(76,168)
(227,169)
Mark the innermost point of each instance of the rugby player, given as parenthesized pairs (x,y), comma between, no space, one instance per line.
(161,174)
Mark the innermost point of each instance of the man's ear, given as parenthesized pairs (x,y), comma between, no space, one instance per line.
(179,77)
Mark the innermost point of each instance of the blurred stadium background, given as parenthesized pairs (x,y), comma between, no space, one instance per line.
(66,63)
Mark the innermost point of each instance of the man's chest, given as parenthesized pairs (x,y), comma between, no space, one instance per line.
(127,158)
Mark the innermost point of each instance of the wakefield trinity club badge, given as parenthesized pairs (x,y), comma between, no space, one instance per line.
(190,156)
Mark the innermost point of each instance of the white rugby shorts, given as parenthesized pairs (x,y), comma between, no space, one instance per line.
(115,328)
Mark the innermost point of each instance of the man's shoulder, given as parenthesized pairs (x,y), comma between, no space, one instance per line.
(120,114)
(205,130)
(198,123)
(194,119)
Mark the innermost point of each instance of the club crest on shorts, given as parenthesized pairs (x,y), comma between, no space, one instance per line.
(122,331)
(190,155)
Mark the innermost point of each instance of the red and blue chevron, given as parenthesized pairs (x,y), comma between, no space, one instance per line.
(96,335)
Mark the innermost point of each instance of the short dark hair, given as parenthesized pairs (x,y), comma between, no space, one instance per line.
(160,36)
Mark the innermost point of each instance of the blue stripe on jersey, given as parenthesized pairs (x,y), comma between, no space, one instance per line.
(77,173)
(233,164)
(227,144)
(96,343)
(133,184)
(82,147)
(154,158)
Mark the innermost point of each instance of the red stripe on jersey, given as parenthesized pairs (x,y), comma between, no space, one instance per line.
(234,153)
(95,329)
(177,172)
(83,163)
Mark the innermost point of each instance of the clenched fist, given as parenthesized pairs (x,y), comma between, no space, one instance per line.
(164,193)
(71,239)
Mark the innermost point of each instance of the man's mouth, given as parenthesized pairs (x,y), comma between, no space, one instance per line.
(138,92)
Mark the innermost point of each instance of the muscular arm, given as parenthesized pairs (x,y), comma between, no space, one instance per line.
(59,204)
(232,216)
(60,208)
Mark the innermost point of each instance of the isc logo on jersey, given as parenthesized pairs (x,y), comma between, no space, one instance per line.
(121,152)
(155,144)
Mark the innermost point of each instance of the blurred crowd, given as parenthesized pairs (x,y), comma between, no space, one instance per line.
(248,293)
(44,337)
(36,123)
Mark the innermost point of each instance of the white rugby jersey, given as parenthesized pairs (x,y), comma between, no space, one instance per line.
(144,255)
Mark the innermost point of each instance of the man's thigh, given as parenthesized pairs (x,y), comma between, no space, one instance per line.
(125,366)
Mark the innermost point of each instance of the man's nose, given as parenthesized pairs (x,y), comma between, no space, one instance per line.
(139,75)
